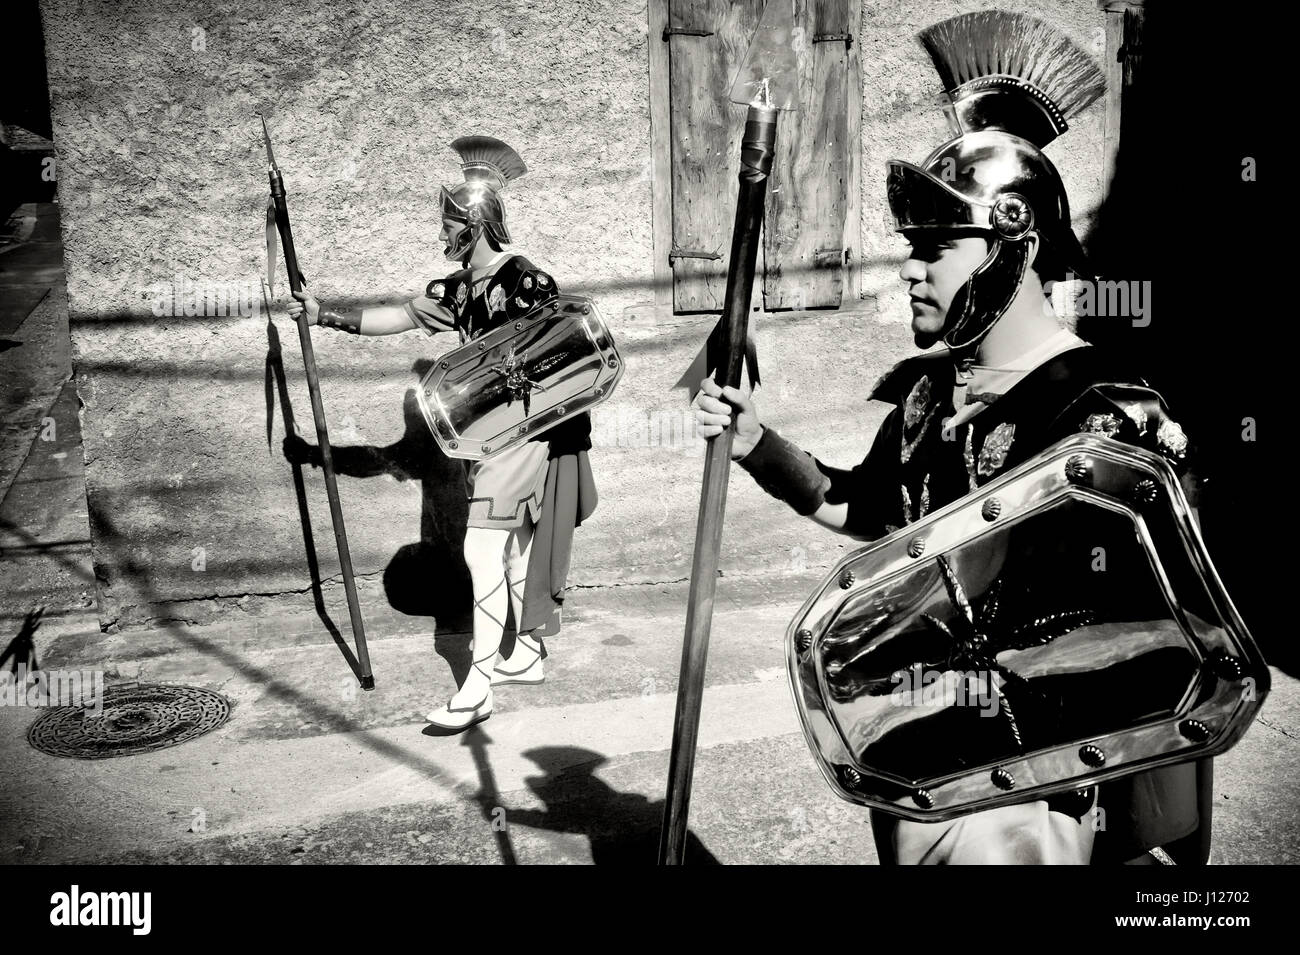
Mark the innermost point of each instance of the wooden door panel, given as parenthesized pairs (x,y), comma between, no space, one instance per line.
(807,197)
(705,130)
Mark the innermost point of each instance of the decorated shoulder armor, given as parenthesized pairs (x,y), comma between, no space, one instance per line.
(895,385)
(521,287)
(1132,413)
(449,292)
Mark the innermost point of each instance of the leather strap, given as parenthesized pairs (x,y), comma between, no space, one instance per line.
(787,473)
(349,322)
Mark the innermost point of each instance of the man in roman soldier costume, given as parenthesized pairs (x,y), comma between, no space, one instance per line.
(524,502)
(988,223)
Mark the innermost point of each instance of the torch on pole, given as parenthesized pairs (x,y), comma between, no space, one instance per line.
(767,83)
(279,211)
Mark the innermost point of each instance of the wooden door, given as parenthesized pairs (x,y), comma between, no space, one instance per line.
(803,244)
(811,188)
(707,41)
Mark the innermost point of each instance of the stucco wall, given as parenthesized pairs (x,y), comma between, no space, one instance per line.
(162,180)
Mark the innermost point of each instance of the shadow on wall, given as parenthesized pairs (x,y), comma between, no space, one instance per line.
(437,557)
(1180,214)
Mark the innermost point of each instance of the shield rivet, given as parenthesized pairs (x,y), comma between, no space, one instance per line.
(1145,491)
(518,325)
(916,547)
(586,309)
(1003,779)
(613,363)
(1194,730)
(428,391)
(923,798)
(1226,665)
(599,392)
(992,509)
(846,580)
(852,777)
(446,365)
(523,429)
(453,445)
(561,411)
(1092,756)
(482,345)
(487,448)
(803,640)
(1078,469)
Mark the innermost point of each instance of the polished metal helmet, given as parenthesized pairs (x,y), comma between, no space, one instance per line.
(488,165)
(1012,81)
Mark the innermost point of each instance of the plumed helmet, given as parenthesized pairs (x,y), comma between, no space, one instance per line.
(1012,81)
(489,165)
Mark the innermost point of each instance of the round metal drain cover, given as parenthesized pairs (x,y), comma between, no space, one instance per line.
(137,718)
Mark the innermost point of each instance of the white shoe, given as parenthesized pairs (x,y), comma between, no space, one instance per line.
(461,718)
(530,675)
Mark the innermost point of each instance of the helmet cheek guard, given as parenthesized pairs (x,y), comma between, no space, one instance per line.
(993,286)
(987,294)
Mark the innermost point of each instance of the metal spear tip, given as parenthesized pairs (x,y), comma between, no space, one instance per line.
(266,133)
(769,75)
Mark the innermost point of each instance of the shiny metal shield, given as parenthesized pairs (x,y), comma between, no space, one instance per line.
(521,379)
(1061,627)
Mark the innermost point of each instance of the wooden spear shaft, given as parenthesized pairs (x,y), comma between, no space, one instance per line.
(755,164)
(318,413)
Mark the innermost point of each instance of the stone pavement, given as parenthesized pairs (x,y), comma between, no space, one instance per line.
(309,769)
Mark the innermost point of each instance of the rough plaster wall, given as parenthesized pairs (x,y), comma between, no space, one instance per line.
(162,175)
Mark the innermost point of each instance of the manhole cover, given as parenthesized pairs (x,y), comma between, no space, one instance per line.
(136,719)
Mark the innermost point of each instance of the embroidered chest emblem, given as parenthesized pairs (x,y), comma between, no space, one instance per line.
(462,293)
(1106,425)
(918,412)
(496,300)
(918,402)
(993,454)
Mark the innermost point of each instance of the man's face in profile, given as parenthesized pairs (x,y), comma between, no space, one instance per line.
(451,230)
(937,265)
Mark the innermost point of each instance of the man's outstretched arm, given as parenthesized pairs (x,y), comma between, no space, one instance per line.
(379,320)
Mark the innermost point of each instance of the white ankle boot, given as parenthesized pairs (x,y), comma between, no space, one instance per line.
(457,716)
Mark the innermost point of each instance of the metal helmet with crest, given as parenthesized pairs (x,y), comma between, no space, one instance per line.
(1013,81)
(489,165)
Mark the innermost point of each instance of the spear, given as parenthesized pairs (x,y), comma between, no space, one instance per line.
(277,219)
(767,82)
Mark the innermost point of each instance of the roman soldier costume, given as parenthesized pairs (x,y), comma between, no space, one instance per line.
(1003,597)
(536,490)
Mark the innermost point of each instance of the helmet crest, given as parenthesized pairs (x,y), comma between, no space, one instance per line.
(488,165)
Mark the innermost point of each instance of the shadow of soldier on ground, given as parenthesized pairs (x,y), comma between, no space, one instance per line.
(623,828)
(426,578)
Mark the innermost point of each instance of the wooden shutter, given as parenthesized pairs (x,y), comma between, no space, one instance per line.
(707,40)
(809,194)
(804,246)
